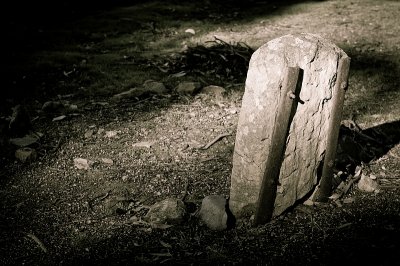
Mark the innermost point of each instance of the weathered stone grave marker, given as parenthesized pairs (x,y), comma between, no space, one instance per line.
(288,126)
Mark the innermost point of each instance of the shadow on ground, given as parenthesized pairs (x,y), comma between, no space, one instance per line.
(357,146)
(373,93)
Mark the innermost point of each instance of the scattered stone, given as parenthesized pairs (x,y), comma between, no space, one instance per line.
(213,212)
(107,161)
(26,154)
(72,108)
(155,87)
(168,211)
(111,134)
(213,90)
(89,133)
(367,184)
(100,131)
(132,93)
(188,87)
(81,163)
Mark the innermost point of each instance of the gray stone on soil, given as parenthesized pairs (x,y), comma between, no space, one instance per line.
(188,87)
(168,211)
(213,90)
(26,154)
(367,184)
(155,87)
(306,142)
(213,212)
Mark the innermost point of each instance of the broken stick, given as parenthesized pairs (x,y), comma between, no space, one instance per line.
(216,139)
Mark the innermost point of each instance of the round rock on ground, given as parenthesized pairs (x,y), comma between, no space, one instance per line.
(167,211)
(213,212)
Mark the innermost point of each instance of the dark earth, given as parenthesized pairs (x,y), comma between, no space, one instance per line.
(62,63)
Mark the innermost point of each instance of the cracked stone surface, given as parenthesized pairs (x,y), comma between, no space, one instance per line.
(306,142)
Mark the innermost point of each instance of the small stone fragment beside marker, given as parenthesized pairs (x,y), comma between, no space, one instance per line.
(213,212)
(169,211)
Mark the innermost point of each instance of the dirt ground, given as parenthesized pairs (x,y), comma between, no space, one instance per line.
(143,149)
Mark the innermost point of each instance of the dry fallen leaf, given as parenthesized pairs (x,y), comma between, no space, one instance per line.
(59,118)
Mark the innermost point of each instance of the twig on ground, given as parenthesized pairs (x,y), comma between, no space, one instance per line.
(37,240)
(216,139)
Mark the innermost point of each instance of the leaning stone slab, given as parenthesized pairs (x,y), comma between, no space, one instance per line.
(317,60)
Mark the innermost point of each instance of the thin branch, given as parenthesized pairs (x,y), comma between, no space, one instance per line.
(37,240)
(216,139)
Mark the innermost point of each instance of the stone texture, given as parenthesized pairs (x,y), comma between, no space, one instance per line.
(188,87)
(367,184)
(20,122)
(81,163)
(155,87)
(168,211)
(213,90)
(213,212)
(306,142)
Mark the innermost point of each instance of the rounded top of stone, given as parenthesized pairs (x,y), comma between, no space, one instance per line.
(299,49)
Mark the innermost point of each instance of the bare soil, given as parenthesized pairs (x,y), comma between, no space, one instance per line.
(55,214)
